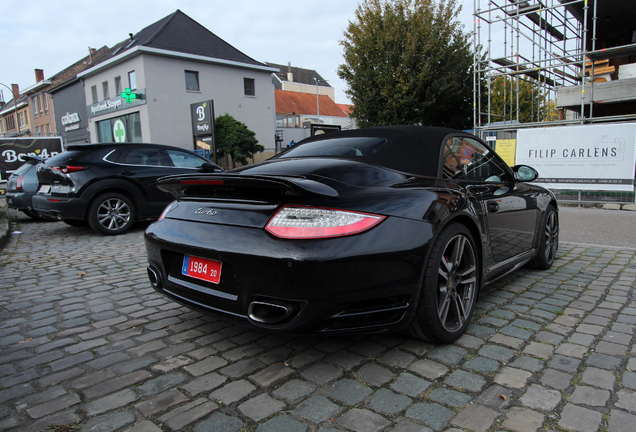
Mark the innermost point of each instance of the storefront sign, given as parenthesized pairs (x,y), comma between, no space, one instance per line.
(588,157)
(111,105)
(202,118)
(13,151)
(119,131)
(71,121)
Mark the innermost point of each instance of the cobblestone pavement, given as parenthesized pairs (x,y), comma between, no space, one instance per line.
(85,341)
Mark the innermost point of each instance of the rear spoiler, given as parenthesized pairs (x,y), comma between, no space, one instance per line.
(225,185)
(34,158)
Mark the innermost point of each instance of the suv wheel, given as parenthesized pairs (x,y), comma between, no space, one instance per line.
(111,214)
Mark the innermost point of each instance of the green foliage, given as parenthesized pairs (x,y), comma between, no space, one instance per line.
(235,139)
(534,105)
(408,62)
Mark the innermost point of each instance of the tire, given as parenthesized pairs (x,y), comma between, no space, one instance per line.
(549,241)
(449,288)
(111,214)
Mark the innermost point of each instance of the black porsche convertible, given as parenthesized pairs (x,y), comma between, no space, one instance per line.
(370,230)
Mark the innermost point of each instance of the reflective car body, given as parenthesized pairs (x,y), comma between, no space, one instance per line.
(431,222)
(111,185)
(22,185)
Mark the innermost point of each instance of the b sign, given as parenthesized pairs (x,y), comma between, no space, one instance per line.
(202,118)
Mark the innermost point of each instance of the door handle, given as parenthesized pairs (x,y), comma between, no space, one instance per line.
(493,207)
(127,173)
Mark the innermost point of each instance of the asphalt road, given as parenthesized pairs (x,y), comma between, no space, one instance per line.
(598,227)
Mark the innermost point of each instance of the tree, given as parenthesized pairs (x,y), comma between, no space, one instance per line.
(235,139)
(534,105)
(408,62)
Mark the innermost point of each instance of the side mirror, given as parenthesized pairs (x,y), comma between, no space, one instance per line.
(210,167)
(524,173)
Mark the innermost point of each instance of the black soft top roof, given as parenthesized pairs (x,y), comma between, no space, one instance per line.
(409,149)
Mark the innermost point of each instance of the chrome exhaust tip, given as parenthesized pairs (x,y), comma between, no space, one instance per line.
(267,312)
(155,276)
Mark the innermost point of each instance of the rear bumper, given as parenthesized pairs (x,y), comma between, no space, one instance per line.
(364,283)
(60,207)
(18,200)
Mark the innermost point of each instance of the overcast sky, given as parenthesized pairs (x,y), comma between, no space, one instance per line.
(41,34)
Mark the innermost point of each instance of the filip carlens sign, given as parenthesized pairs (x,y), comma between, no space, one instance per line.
(587,157)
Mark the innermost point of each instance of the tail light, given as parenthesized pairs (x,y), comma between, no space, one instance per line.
(312,222)
(66,169)
(165,211)
(18,184)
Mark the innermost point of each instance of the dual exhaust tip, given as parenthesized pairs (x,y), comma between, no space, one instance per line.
(272,312)
(262,311)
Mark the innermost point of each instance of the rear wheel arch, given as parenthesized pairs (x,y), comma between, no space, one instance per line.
(114,189)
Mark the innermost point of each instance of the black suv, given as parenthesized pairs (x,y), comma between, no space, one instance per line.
(111,185)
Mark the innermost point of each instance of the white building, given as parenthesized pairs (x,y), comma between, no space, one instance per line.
(168,66)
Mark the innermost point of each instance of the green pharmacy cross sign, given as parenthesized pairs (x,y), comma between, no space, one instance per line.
(130,96)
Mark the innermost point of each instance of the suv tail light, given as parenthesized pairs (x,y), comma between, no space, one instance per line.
(312,222)
(18,184)
(66,169)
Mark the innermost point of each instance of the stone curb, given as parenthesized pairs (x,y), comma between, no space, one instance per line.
(4,232)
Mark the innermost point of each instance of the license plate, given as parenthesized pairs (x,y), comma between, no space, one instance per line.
(44,189)
(201,268)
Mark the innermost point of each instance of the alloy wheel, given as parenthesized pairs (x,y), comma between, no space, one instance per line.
(113,214)
(551,237)
(457,283)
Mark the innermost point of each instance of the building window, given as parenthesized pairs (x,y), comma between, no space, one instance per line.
(94,93)
(10,123)
(287,120)
(48,128)
(127,130)
(45,97)
(118,91)
(192,80)
(22,119)
(105,90)
(34,103)
(39,98)
(248,87)
(132,80)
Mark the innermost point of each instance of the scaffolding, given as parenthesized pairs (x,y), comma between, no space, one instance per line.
(543,45)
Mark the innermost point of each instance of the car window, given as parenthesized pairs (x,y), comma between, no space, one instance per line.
(142,156)
(451,168)
(113,154)
(476,161)
(337,147)
(184,159)
(25,167)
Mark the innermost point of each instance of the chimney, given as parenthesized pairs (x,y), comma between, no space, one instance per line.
(39,75)
(92,50)
(16,92)
(290,75)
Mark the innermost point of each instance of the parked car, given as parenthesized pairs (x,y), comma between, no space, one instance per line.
(111,185)
(369,230)
(22,184)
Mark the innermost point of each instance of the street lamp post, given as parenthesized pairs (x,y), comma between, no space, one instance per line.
(317,101)
(15,108)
